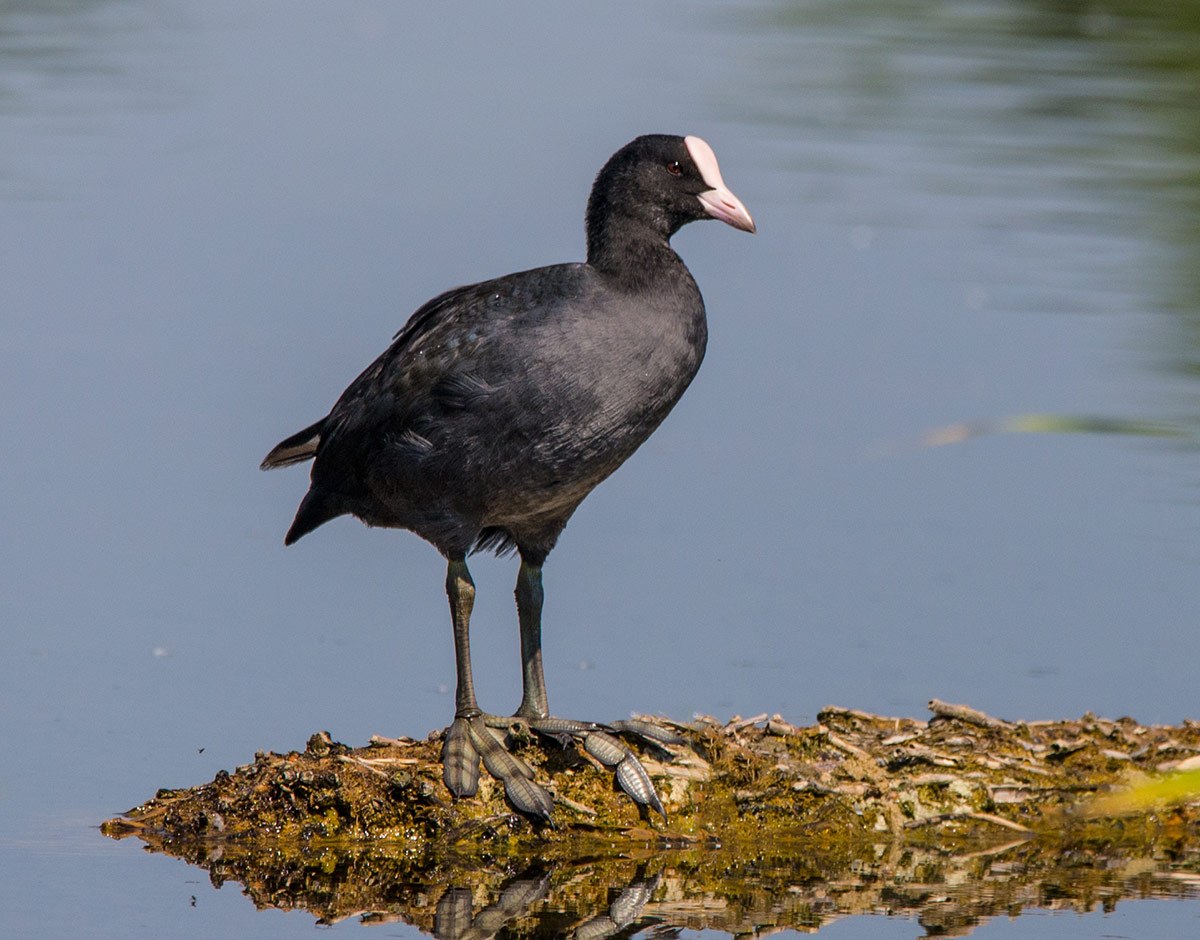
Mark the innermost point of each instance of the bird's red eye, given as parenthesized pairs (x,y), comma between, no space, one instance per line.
(674,168)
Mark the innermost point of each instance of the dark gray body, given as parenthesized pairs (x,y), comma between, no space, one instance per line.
(501,405)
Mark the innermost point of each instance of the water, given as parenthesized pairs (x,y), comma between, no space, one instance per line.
(213,216)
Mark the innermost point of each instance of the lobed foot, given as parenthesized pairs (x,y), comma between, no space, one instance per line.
(470,740)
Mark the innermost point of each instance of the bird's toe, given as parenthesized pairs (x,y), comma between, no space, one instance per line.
(634,780)
(460,760)
(631,775)
(564,730)
(517,776)
(470,741)
(647,731)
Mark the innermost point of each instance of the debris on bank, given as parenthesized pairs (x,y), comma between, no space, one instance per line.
(853,777)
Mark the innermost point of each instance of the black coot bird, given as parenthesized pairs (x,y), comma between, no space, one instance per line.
(500,405)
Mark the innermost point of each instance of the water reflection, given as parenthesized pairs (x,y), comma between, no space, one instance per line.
(738,890)
(1064,134)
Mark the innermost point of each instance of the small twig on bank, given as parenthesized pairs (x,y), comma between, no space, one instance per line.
(966,814)
(359,762)
(378,740)
(737,723)
(965,713)
(846,746)
(830,710)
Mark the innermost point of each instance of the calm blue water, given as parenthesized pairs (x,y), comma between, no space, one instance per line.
(213,216)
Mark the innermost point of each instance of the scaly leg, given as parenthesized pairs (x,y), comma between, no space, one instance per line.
(468,739)
(594,737)
(534,703)
(460,759)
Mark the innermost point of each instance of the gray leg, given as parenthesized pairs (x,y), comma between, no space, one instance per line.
(534,703)
(471,739)
(461,591)
(460,758)
(535,707)
(468,739)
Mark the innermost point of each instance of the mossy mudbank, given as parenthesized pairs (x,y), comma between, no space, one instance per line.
(848,778)
(769,824)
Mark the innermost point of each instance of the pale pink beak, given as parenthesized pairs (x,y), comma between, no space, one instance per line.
(718,202)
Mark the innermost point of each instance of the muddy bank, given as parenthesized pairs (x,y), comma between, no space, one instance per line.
(850,777)
(950,820)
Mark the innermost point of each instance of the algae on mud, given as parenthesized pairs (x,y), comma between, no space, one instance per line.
(953,820)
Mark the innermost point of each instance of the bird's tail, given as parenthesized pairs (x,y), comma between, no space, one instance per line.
(298,448)
(316,509)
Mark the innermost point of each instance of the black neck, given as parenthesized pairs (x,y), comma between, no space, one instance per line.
(634,252)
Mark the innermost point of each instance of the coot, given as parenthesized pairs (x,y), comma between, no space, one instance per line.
(500,405)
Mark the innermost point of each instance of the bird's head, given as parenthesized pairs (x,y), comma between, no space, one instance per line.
(664,181)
